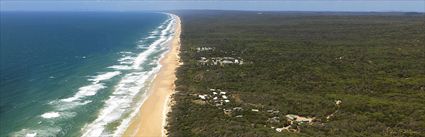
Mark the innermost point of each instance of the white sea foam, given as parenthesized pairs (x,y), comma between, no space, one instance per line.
(162,26)
(119,103)
(64,105)
(150,37)
(125,122)
(126,58)
(155,32)
(126,62)
(31,135)
(105,76)
(44,131)
(120,67)
(85,91)
(126,52)
(163,39)
(122,101)
(90,90)
(61,105)
(142,47)
(49,115)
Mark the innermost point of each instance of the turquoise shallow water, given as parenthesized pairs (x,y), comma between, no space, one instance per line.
(76,73)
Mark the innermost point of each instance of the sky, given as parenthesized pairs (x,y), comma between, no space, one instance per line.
(256,5)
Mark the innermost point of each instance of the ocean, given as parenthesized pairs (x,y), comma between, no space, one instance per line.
(77,73)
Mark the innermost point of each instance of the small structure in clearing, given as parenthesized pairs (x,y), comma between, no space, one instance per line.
(200,49)
(214,61)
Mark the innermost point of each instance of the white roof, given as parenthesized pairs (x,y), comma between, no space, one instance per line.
(224,96)
(202,96)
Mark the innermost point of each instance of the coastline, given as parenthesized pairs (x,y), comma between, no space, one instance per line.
(151,118)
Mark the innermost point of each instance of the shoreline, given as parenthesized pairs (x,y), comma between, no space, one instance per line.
(151,118)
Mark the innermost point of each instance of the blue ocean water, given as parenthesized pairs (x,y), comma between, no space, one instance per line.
(77,73)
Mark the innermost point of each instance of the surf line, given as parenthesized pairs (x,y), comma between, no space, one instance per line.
(122,105)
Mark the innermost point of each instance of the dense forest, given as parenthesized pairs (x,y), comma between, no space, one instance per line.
(349,74)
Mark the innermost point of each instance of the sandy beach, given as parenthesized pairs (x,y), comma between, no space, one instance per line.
(150,120)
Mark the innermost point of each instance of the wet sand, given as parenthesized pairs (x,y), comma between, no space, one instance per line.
(150,120)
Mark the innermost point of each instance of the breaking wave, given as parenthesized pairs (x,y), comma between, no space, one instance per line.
(123,104)
(134,70)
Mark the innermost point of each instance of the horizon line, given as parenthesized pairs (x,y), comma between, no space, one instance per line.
(249,5)
(299,11)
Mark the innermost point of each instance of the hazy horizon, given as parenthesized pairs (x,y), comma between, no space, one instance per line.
(303,5)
